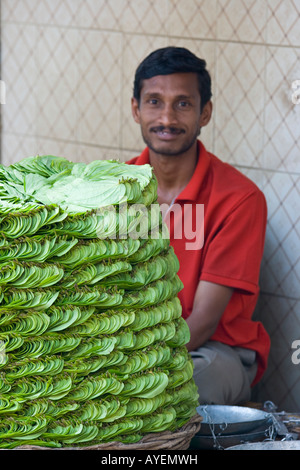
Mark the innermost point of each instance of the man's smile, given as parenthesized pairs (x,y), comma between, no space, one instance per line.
(164,132)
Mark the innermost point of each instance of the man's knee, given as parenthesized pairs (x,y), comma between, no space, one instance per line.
(220,375)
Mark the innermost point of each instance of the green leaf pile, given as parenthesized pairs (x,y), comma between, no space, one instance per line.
(92,342)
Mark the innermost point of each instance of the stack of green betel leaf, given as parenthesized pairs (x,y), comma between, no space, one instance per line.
(92,342)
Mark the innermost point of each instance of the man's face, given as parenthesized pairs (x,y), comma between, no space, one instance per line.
(169,113)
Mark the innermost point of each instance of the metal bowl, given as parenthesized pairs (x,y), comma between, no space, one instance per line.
(228,441)
(274,445)
(229,420)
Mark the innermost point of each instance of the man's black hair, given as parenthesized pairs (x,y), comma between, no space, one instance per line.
(169,60)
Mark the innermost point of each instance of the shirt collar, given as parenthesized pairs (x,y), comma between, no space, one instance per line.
(190,192)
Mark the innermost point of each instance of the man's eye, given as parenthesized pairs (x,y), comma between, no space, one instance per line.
(183,104)
(153,101)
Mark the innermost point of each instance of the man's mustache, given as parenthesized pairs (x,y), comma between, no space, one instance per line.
(172,130)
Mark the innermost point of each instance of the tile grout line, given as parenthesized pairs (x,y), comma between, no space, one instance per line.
(145,34)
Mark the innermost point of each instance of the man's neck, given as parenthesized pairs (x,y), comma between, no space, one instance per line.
(173,173)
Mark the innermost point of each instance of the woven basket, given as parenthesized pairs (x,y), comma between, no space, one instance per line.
(178,440)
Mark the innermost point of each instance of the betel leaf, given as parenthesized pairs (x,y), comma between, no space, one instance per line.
(76,187)
(92,342)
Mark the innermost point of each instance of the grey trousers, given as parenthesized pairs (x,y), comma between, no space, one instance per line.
(223,374)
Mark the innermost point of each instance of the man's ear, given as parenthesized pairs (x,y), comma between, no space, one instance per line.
(135,110)
(206,114)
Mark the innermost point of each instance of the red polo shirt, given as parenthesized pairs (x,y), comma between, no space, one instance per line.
(227,251)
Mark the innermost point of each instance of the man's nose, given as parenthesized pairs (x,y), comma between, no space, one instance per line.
(168,115)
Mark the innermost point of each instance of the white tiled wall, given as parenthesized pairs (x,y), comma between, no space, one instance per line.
(68,66)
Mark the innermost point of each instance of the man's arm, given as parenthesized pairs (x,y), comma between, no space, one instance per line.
(209,304)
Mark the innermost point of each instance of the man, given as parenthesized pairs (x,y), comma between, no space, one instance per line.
(220,268)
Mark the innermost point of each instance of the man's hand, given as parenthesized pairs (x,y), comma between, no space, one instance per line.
(209,304)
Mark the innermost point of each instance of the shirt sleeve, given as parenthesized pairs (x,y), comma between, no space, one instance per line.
(235,249)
